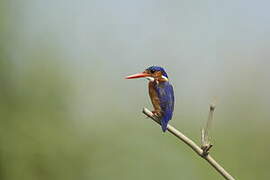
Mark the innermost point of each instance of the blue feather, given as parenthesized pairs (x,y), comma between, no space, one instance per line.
(166,98)
(158,68)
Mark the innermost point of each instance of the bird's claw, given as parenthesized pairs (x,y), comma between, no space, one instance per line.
(156,114)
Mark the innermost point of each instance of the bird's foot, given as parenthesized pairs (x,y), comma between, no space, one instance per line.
(156,114)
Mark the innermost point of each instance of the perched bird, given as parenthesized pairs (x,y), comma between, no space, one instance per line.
(160,92)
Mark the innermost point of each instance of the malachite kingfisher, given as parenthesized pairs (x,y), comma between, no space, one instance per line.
(160,92)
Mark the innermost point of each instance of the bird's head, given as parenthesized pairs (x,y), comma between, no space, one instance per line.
(152,73)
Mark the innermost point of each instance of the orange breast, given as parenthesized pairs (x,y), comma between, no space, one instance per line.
(154,98)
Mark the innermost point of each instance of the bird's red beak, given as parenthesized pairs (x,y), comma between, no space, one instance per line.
(139,75)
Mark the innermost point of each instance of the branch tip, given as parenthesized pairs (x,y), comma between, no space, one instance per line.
(212,107)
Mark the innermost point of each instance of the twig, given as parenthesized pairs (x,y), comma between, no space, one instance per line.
(192,145)
(205,133)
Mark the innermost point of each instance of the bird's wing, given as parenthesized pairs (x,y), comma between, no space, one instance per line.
(166,98)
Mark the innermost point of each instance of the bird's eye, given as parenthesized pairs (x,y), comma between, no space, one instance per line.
(152,71)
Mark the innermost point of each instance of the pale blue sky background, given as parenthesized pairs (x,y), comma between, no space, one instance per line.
(208,48)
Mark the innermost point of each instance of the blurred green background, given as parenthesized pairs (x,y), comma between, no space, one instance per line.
(67,112)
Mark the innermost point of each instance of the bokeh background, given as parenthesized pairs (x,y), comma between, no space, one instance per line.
(66,111)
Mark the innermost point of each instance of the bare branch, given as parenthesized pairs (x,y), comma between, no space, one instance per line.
(192,145)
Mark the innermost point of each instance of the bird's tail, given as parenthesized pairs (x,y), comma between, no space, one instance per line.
(164,122)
